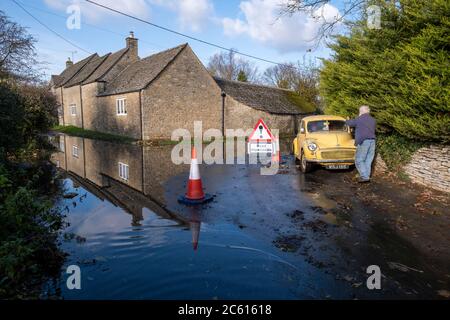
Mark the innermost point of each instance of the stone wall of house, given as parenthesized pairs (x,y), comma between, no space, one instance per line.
(104,117)
(89,97)
(58,96)
(182,94)
(72,96)
(430,166)
(238,115)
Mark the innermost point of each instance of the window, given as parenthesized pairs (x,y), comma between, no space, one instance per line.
(121,106)
(123,171)
(73,109)
(326,125)
(62,147)
(75,151)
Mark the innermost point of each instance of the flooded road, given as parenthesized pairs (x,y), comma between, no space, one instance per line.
(286,236)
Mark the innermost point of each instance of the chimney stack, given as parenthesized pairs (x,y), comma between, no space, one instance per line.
(69,63)
(132,45)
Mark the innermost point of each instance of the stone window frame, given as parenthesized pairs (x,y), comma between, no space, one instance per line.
(121,109)
(72,107)
(124,171)
(75,151)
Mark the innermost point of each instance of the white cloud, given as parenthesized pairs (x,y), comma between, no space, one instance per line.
(261,20)
(192,14)
(94,13)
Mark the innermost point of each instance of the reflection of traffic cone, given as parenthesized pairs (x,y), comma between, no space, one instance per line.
(195,229)
(194,194)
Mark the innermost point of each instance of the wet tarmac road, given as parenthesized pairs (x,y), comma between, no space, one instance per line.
(287,236)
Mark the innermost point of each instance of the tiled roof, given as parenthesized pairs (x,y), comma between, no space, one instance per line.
(55,79)
(103,69)
(86,71)
(265,98)
(71,71)
(140,73)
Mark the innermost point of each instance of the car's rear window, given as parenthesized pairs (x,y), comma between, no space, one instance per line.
(326,125)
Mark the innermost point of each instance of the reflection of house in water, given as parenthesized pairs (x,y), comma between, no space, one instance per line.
(129,176)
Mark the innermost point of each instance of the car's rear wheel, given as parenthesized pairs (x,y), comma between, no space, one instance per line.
(305,166)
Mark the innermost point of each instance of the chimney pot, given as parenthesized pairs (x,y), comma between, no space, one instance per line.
(69,63)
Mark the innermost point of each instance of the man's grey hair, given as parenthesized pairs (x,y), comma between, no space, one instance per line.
(364,109)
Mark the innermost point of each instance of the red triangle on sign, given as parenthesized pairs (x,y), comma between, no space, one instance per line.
(261,133)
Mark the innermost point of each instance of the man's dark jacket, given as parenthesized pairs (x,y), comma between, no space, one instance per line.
(364,127)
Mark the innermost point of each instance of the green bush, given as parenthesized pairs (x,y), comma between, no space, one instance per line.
(396,150)
(28,232)
(401,70)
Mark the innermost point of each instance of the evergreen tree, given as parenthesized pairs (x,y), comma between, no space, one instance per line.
(401,70)
(242,76)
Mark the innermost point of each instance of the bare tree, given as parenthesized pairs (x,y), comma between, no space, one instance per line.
(228,66)
(282,75)
(351,9)
(17,51)
(301,77)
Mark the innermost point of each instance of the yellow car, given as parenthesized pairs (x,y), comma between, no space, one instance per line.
(324,140)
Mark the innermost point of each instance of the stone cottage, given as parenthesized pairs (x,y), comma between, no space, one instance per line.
(148,98)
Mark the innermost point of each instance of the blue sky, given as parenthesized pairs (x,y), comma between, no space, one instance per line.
(250,26)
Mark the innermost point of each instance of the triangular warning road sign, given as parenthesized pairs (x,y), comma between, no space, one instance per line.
(261,133)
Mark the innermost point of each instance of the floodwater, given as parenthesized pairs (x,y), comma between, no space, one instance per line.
(262,237)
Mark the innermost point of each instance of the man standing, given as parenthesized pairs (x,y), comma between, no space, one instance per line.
(365,142)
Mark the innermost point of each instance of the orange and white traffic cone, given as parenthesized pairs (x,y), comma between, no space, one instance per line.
(276,157)
(276,152)
(195,187)
(194,194)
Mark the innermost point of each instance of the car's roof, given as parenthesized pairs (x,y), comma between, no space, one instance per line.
(322,117)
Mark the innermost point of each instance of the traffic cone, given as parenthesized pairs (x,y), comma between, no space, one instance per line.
(276,154)
(276,157)
(195,187)
(194,194)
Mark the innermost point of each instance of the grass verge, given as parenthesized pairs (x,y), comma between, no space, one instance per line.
(90,134)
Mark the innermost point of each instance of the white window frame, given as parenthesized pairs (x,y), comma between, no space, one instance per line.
(75,151)
(121,106)
(62,145)
(124,171)
(72,107)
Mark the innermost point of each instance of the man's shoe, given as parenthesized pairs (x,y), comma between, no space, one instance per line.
(362,180)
